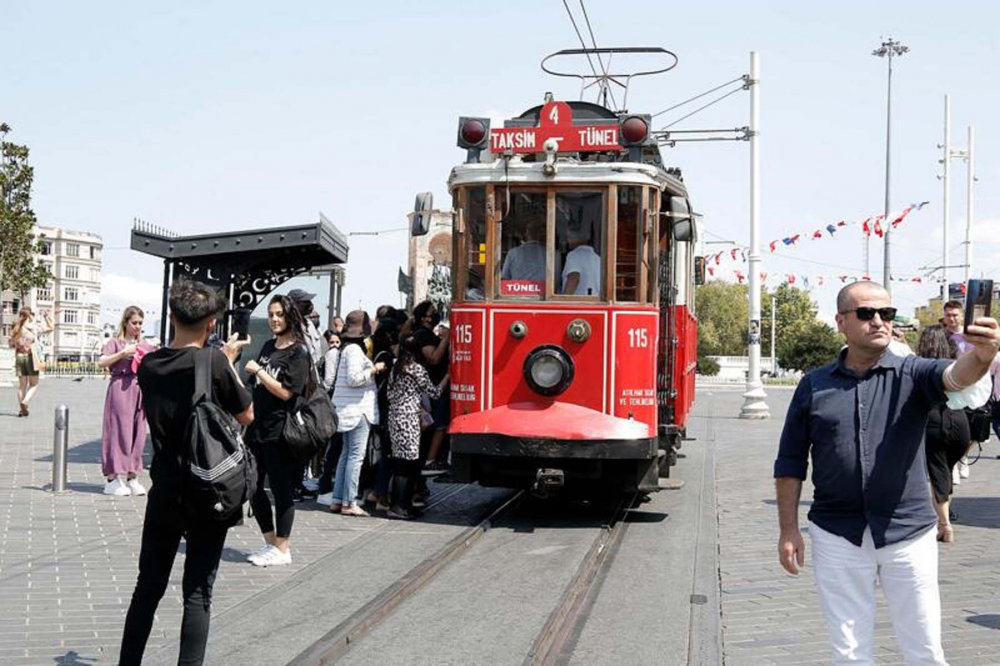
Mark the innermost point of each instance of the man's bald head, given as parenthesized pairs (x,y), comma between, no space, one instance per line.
(849,295)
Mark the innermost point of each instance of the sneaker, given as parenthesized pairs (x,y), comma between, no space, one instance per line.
(399,513)
(326,499)
(382,504)
(419,501)
(117,488)
(260,551)
(963,468)
(272,557)
(136,487)
(956,477)
(434,467)
(312,485)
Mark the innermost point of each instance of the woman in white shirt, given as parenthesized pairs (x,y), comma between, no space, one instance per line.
(354,396)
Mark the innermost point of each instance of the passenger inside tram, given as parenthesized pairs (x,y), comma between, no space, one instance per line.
(579,221)
(527,260)
(581,276)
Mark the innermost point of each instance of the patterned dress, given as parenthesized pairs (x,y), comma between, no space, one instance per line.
(124,434)
(405,390)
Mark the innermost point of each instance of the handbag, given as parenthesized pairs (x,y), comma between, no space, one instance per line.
(980,422)
(37,364)
(311,422)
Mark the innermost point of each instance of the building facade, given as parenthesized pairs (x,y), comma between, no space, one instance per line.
(73,295)
(429,261)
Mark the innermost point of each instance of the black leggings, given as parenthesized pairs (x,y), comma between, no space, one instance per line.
(276,462)
(406,473)
(160,539)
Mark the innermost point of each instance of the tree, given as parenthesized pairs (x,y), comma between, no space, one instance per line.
(817,345)
(19,270)
(722,309)
(795,314)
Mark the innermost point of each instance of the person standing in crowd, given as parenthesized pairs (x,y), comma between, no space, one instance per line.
(337,324)
(357,409)
(434,357)
(995,396)
(947,436)
(317,346)
(408,382)
(861,419)
(385,341)
(953,319)
(27,359)
(280,373)
(582,273)
(328,465)
(123,437)
(166,379)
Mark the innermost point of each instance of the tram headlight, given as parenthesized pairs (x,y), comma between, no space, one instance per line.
(473,132)
(548,370)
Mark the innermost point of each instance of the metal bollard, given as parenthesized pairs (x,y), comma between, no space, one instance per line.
(59,446)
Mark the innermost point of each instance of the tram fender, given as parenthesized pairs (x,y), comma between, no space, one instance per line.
(536,421)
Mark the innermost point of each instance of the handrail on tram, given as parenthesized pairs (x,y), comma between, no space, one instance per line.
(604,76)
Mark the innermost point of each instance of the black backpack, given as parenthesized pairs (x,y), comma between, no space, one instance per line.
(311,422)
(218,471)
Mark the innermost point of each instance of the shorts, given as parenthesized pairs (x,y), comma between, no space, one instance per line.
(441,411)
(24,366)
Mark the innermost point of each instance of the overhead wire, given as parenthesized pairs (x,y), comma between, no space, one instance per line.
(688,101)
(580,37)
(701,108)
(604,69)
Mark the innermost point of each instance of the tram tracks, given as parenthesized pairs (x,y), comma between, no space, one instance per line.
(553,643)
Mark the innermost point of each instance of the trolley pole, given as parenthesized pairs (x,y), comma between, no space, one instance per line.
(970,161)
(754,405)
(59,447)
(946,198)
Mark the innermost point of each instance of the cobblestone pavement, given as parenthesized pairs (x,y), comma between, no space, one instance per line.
(770,617)
(68,562)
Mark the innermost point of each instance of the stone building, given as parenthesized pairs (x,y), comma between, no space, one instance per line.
(73,258)
(429,262)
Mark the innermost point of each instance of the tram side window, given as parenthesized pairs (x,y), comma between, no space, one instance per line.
(580,219)
(475,230)
(522,243)
(627,261)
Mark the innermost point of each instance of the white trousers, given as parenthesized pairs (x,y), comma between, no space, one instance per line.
(908,574)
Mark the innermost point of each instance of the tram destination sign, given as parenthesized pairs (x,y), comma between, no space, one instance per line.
(556,123)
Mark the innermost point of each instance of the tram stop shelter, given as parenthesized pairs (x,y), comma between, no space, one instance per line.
(246,266)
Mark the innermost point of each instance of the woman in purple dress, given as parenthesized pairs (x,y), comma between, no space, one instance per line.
(124,435)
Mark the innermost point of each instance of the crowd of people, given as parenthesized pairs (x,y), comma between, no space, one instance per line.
(387,379)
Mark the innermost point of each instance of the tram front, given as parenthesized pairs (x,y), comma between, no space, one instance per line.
(555,317)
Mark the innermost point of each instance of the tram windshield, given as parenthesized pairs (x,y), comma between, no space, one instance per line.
(555,243)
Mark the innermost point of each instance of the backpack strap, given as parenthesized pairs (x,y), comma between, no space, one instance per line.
(202,376)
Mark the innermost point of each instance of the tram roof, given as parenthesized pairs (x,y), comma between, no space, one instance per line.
(568,172)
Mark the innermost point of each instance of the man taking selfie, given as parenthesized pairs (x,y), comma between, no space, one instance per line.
(862,418)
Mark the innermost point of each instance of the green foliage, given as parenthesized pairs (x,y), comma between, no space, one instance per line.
(19,271)
(722,311)
(930,314)
(816,345)
(795,312)
(707,367)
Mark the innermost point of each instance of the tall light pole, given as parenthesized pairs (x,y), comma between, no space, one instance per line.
(754,405)
(890,48)
(970,200)
(946,199)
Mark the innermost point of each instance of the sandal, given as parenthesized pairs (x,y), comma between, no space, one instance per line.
(354,511)
(946,534)
(335,508)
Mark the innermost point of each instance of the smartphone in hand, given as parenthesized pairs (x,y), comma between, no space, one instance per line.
(241,323)
(978,299)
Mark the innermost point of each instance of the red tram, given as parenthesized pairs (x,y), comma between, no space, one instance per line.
(573,329)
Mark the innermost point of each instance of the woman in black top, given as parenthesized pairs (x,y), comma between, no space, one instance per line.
(947,437)
(280,373)
(434,357)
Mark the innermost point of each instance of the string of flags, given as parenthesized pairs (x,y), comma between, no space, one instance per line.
(807,281)
(876,224)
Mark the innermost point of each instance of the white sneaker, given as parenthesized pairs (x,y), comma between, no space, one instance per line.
(136,487)
(312,485)
(117,488)
(326,499)
(963,468)
(956,477)
(272,557)
(260,551)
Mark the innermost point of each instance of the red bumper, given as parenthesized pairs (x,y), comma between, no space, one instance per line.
(553,420)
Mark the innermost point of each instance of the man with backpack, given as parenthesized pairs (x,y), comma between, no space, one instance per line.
(188,499)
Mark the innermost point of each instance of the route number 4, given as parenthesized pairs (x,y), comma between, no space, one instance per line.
(638,338)
(463,334)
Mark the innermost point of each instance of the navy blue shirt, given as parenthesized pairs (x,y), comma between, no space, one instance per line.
(866,438)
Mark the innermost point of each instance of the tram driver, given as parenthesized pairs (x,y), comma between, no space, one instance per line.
(527,260)
(581,275)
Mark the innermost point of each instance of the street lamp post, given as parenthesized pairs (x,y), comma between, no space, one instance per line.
(890,48)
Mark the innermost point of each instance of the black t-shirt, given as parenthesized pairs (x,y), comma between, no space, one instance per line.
(166,377)
(290,366)
(425,337)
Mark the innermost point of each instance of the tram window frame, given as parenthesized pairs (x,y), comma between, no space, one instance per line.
(603,232)
(502,193)
(463,201)
(635,267)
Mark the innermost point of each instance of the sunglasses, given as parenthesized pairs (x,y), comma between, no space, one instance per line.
(867,314)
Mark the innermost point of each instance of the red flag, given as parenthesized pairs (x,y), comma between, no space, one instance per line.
(763,277)
(817,234)
(791,278)
(902,216)
(866,228)
(917,279)
(843,278)
(878,226)
(733,252)
(711,271)
(718,258)
(842,223)
(821,280)
(772,244)
(740,276)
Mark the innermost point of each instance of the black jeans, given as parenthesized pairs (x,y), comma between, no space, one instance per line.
(406,473)
(276,462)
(330,459)
(161,535)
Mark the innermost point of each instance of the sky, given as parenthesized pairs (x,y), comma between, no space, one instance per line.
(216,116)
